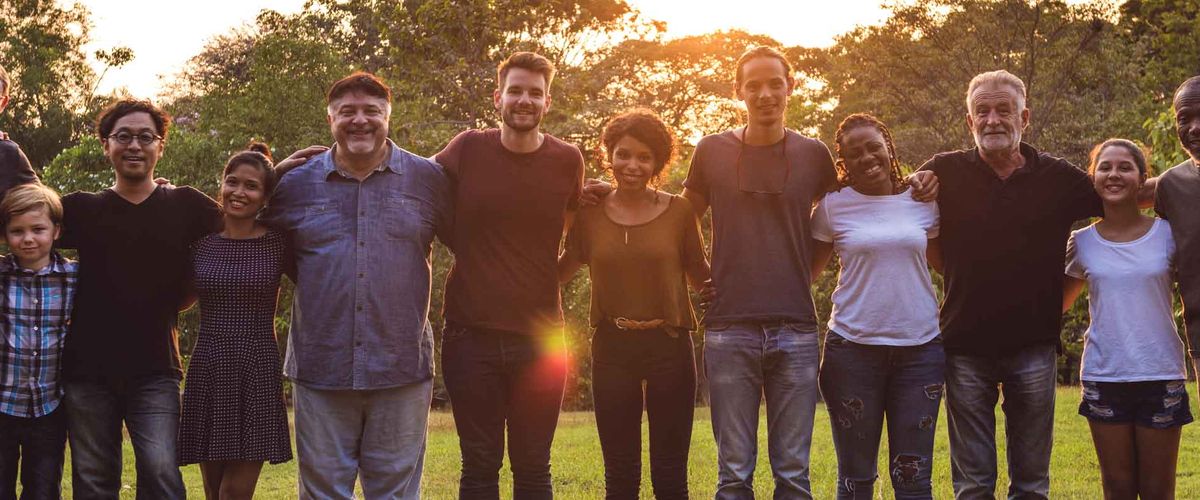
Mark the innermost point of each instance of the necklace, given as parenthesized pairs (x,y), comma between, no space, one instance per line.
(625,227)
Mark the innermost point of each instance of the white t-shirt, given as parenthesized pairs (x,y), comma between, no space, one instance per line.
(884,295)
(1132,336)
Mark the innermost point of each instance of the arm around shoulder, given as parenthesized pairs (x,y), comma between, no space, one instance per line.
(73,211)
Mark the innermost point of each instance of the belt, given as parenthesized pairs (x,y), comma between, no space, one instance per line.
(627,324)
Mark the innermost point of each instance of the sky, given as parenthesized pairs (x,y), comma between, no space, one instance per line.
(165,36)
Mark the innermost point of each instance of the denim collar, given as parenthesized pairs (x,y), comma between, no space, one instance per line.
(394,161)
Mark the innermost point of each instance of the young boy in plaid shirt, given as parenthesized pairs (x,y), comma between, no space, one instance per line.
(38,291)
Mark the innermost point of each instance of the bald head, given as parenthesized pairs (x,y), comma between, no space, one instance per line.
(1187,116)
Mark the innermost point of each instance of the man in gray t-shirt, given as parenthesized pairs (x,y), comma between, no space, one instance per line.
(761,330)
(761,245)
(1178,201)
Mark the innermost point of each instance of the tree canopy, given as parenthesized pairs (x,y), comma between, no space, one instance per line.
(1093,70)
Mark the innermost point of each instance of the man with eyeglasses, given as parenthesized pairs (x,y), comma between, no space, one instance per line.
(761,181)
(14,166)
(121,360)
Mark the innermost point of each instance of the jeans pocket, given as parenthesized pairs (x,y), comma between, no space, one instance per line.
(718,326)
(833,339)
(452,334)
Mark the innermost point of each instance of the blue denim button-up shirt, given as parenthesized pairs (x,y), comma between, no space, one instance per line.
(362,254)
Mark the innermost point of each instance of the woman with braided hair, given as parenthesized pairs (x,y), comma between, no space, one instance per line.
(883,353)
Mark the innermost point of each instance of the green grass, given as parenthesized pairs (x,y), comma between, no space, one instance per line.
(579,470)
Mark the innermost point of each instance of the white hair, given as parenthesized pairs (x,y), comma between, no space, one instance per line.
(998,77)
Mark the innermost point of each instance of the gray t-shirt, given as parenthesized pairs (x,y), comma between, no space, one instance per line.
(761,248)
(1177,199)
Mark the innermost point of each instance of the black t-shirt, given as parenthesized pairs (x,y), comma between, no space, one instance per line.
(14,167)
(133,276)
(1004,247)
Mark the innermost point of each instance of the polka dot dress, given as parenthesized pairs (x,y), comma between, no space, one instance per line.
(233,406)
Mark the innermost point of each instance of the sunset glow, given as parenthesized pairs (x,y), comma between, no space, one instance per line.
(165,37)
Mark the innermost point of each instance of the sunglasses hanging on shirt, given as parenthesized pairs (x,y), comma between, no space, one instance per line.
(769,177)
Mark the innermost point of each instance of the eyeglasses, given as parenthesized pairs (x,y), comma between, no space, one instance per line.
(787,170)
(144,138)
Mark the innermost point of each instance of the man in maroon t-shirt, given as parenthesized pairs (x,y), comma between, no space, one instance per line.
(503,354)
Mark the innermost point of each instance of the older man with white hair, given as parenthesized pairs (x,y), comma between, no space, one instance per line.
(1007,211)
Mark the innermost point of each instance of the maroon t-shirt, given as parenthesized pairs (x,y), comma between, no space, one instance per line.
(508,223)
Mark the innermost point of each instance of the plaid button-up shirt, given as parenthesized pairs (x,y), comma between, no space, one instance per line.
(36,309)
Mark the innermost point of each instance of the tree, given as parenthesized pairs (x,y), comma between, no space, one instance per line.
(688,81)
(41,46)
(913,71)
(265,82)
(1163,35)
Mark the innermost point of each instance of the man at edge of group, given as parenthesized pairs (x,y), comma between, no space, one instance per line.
(1007,211)
(761,181)
(503,352)
(1178,200)
(361,218)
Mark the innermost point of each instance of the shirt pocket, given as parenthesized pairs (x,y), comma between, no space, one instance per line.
(404,218)
(319,226)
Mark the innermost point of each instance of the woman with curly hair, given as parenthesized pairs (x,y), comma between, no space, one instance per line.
(642,247)
(883,353)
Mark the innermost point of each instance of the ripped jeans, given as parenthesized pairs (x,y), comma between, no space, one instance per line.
(861,384)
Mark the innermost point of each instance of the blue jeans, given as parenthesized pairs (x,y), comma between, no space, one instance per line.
(745,362)
(149,407)
(37,445)
(863,383)
(377,436)
(973,385)
(500,380)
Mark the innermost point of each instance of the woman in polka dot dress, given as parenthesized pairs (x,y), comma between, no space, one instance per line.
(234,417)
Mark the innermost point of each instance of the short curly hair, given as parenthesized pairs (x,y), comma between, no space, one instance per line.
(645,126)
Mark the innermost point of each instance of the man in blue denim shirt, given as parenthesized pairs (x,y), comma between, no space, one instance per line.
(361,218)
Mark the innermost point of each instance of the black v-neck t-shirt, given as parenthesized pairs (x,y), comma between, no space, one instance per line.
(1004,248)
(134,268)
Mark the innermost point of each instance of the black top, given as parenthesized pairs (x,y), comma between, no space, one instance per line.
(14,167)
(134,266)
(1004,247)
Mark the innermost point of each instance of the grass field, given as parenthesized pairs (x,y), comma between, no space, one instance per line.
(579,470)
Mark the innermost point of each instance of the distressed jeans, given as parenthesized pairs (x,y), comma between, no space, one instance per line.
(149,407)
(861,385)
(973,385)
(376,436)
(745,362)
(497,381)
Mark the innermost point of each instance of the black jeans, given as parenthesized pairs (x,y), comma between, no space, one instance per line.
(37,444)
(621,361)
(498,379)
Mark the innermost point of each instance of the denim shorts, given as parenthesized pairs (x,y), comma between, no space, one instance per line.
(1157,404)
